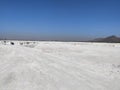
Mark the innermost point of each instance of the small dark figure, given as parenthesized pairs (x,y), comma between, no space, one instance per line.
(4,42)
(12,43)
(21,43)
(27,42)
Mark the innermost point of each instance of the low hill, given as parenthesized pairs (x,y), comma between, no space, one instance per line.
(110,39)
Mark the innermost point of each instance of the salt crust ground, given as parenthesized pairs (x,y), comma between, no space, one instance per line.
(60,66)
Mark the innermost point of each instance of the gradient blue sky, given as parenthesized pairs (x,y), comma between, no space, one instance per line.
(53,19)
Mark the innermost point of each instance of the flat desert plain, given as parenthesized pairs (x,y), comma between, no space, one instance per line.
(51,65)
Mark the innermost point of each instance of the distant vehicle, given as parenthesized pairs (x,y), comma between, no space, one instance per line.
(12,43)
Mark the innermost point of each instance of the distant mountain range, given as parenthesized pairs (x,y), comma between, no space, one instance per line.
(110,39)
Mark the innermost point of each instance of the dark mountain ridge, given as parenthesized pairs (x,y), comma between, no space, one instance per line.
(110,39)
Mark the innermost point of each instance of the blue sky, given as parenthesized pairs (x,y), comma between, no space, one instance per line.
(54,19)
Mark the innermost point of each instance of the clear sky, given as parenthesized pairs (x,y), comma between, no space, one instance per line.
(53,19)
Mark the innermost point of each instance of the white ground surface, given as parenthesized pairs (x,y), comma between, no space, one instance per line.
(60,66)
